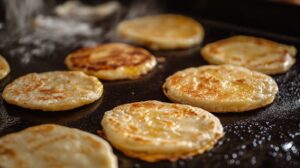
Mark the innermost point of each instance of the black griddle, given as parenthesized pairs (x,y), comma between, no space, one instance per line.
(267,137)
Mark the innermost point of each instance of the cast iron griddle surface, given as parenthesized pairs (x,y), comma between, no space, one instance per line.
(268,137)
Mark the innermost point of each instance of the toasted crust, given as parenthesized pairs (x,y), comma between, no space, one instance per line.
(167,31)
(112,61)
(153,131)
(221,88)
(49,146)
(53,91)
(254,53)
(4,68)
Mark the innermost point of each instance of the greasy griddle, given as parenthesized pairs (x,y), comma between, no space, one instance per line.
(267,137)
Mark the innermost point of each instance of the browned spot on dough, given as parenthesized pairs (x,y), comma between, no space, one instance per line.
(240,80)
(52,97)
(132,128)
(50,91)
(35,83)
(95,145)
(190,112)
(143,105)
(214,49)
(52,94)
(7,151)
(138,139)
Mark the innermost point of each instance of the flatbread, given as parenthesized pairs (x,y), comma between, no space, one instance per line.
(113,61)
(4,67)
(53,146)
(221,88)
(53,91)
(76,10)
(167,31)
(255,53)
(153,130)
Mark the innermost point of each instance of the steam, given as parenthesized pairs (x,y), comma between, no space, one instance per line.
(140,8)
(34,34)
(20,12)
(72,18)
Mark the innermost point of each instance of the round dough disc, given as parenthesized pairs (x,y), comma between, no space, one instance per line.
(254,53)
(221,88)
(53,91)
(113,61)
(166,31)
(153,130)
(49,146)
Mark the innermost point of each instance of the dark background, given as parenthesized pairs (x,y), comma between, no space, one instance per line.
(267,15)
